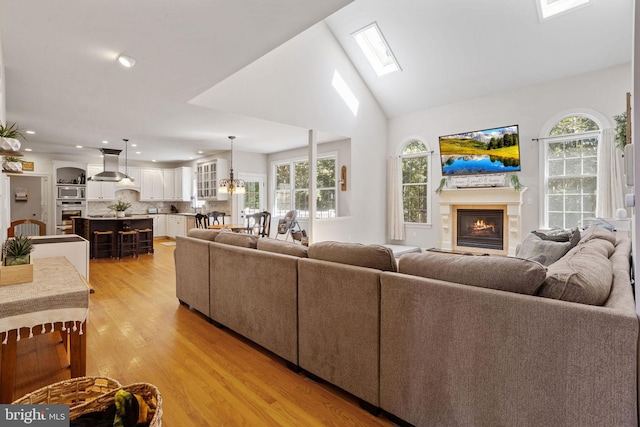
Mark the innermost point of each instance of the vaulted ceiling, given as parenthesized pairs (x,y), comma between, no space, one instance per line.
(62,80)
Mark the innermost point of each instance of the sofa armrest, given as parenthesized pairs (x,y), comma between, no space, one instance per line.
(191,258)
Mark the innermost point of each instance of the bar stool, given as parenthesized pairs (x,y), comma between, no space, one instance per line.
(127,243)
(145,240)
(102,247)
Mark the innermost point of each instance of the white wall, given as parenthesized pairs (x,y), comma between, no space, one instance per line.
(530,107)
(292,85)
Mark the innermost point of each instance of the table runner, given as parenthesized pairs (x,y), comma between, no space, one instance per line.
(57,293)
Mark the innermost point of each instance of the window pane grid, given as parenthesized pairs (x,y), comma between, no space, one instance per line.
(571,177)
(415,173)
(296,197)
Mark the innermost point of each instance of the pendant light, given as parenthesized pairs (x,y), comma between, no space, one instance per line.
(231,185)
(127,181)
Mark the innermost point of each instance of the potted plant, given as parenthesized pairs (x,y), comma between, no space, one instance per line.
(17,250)
(120,207)
(621,130)
(9,135)
(11,164)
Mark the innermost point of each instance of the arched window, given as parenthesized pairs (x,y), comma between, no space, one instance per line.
(415,182)
(571,171)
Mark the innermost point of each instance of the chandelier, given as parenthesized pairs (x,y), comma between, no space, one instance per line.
(231,185)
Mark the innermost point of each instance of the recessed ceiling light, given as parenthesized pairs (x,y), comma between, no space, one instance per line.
(105,142)
(134,145)
(550,8)
(153,161)
(30,132)
(138,152)
(376,50)
(126,60)
(200,152)
(78,146)
(28,149)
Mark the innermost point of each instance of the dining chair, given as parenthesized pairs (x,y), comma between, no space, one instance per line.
(27,227)
(202,221)
(214,217)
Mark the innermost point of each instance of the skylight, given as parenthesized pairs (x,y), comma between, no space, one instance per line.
(376,49)
(550,8)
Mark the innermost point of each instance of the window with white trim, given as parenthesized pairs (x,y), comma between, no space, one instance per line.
(292,187)
(571,171)
(415,182)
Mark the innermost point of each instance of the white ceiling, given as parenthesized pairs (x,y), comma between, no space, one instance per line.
(63,82)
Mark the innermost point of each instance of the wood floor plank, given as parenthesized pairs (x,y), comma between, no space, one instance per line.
(138,332)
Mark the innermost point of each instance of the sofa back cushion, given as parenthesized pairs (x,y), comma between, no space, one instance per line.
(518,275)
(203,233)
(583,275)
(370,256)
(237,239)
(282,247)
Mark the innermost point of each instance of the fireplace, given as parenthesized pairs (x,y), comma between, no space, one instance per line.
(480,228)
(505,199)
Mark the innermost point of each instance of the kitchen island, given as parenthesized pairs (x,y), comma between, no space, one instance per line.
(86,225)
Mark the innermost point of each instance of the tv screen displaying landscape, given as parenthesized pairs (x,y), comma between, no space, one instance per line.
(484,151)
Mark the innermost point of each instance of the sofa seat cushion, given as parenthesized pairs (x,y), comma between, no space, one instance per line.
(282,247)
(583,275)
(370,256)
(237,239)
(547,248)
(203,234)
(518,275)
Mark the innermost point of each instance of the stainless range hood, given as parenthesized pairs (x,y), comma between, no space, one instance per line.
(111,165)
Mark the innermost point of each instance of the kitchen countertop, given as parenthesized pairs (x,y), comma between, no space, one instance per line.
(110,217)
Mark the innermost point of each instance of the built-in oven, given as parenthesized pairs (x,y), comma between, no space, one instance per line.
(65,211)
(70,192)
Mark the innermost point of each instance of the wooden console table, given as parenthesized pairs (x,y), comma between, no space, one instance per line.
(56,300)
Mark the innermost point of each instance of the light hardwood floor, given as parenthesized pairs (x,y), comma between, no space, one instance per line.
(139,332)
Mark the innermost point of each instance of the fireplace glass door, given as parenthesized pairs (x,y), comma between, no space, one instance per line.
(480,228)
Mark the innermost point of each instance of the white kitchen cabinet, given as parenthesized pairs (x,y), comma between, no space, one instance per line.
(159,225)
(183,183)
(168,181)
(151,185)
(99,190)
(208,176)
(176,226)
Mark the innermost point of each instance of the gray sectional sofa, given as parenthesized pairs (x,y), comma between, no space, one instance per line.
(434,339)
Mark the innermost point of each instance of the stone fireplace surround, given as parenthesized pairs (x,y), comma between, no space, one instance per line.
(505,198)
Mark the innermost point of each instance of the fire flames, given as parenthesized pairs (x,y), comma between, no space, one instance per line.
(479,226)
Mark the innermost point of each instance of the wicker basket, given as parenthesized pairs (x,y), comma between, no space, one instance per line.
(148,392)
(73,392)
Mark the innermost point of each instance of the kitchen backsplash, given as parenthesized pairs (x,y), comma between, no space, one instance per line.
(141,208)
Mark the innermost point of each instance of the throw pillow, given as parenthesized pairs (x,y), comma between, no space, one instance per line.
(558,234)
(544,251)
(510,274)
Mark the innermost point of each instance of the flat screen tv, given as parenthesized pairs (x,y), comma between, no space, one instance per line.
(484,151)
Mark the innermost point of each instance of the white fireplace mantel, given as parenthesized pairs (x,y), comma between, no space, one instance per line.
(489,198)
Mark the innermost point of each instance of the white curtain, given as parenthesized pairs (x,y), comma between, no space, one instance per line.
(396,207)
(610,194)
